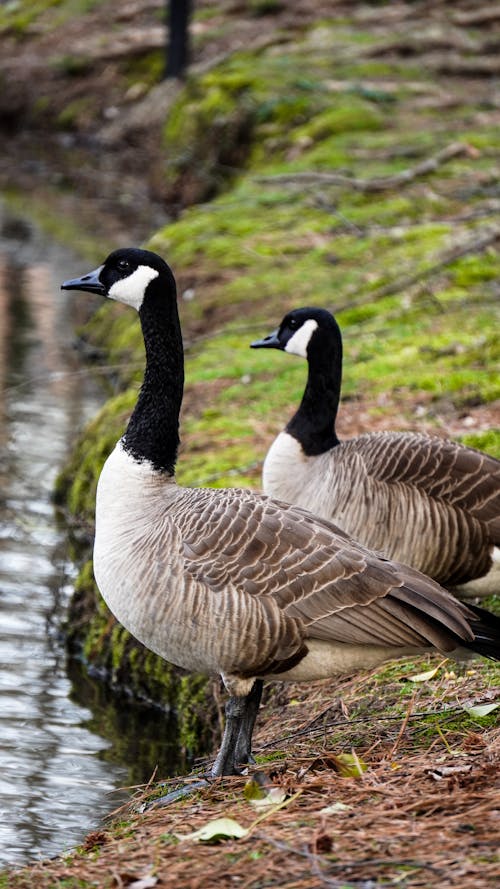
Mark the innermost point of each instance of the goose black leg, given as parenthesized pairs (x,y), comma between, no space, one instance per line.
(236,745)
(244,743)
(225,761)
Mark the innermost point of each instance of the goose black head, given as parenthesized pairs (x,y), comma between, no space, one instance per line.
(300,331)
(127,275)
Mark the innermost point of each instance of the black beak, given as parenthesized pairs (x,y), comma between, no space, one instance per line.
(90,283)
(271,341)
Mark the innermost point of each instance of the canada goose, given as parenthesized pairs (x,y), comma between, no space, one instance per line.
(422,500)
(232,583)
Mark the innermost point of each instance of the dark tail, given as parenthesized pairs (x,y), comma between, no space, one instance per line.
(486,629)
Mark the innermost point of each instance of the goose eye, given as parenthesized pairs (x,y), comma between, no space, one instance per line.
(293,324)
(123,265)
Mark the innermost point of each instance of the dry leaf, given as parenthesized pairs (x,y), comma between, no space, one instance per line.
(424,677)
(145,883)
(349,765)
(215,831)
(260,798)
(481,709)
(334,809)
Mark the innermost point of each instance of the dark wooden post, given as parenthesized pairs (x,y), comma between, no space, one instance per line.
(178,13)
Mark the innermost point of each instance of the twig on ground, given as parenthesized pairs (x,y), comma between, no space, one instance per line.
(486,238)
(404,724)
(378,183)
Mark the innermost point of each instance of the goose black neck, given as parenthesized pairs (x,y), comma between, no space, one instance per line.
(314,423)
(153,430)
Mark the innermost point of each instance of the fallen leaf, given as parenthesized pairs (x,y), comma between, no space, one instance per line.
(132,881)
(424,677)
(253,790)
(334,809)
(273,797)
(145,883)
(481,709)
(446,771)
(215,831)
(349,765)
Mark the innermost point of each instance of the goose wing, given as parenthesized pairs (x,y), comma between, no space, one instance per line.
(423,500)
(252,547)
(443,469)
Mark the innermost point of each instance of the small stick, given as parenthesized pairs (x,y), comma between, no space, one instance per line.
(378,183)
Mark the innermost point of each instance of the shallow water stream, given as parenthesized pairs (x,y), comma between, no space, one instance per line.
(65,743)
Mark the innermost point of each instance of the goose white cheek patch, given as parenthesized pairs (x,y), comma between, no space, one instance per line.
(131,290)
(298,343)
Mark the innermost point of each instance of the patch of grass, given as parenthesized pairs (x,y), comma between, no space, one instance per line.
(146,69)
(17,17)
(488,441)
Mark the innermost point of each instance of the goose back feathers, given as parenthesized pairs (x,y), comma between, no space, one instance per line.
(422,500)
(231,582)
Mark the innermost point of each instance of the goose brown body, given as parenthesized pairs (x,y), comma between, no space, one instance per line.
(420,499)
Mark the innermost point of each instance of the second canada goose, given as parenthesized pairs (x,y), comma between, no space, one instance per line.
(423,500)
(232,583)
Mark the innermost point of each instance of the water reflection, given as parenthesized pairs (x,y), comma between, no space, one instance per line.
(142,736)
(58,759)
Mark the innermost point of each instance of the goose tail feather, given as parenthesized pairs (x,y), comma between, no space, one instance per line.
(486,629)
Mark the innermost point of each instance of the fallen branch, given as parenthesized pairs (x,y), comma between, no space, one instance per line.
(483,16)
(378,183)
(472,245)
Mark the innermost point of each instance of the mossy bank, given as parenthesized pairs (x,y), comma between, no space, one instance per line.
(410,268)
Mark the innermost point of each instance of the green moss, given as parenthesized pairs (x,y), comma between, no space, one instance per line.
(488,441)
(146,69)
(74,114)
(17,17)
(351,115)
(194,700)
